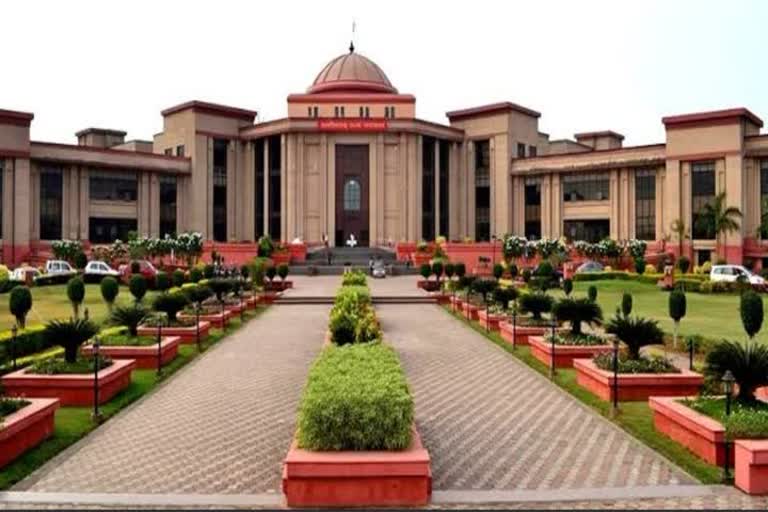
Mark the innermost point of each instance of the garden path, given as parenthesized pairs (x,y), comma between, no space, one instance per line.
(491,423)
(220,426)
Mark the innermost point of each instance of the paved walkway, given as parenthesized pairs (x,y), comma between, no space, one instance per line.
(490,423)
(222,425)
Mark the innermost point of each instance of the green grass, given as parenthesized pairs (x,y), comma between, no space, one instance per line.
(73,423)
(51,302)
(635,418)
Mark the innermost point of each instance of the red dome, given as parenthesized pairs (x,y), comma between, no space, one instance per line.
(352,72)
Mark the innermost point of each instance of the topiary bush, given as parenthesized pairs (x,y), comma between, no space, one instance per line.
(19,303)
(438,269)
(208,271)
(503,296)
(635,332)
(498,270)
(354,278)
(220,287)
(626,303)
(592,293)
(109,289)
(80,260)
(577,311)
(536,304)
(70,334)
(162,282)
(484,286)
(640,266)
(567,287)
(450,270)
(425,270)
(195,274)
(282,271)
(271,272)
(526,274)
(683,264)
(170,304)
(178,277)
(461,269)
(513,271)
(129,316)
(356,398)
(137,285)
(76,294)
(751,310)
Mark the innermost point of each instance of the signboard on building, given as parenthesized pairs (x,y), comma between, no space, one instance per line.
(351,125)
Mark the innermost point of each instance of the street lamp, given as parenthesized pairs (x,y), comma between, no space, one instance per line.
(615,375)
(728,381)
(14,332)
(514,323)
(160,321)
(96,361)
(552,326)
(493,251)
(197,325)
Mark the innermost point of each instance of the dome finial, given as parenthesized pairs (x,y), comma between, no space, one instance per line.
(352,41)
(351,47)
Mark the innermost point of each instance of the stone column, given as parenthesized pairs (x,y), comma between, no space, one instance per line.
(437,189)
(266,186)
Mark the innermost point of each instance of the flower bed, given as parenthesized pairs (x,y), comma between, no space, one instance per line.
(521,333)
(145,354)
(188,334)
(277,286)
(213,315)
(70,389)
(27,427)
(489,321)
(564,354)
(635,386)
(469,310)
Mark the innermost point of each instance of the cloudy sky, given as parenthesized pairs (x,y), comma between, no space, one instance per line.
(586,65)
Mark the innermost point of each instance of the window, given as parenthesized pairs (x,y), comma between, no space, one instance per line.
(445,195)
(180,150)
(532,151)
(389,112)
(365,112)
(532,208)
(312,112)
(645,204)
(168,151)
(763,196)
(275,201)
(113,185)
(520,150)
(428,188)
(167,205)
(2,176)
(309,111)
(702,192)
(315,111)
(352,195)
(220,149)
(258,147)
(338,111)
(586,187)
(482,191)
(104,230)
(588,230)
(51,182)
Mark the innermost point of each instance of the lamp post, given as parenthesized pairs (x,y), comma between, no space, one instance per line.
(14,332)
(160,321)
(514,323)
(728,381)
(615,408)
(493,252)
(197,325)
(240,296)
(96,364)
(552,340)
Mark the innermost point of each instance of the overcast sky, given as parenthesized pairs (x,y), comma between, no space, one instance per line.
(585,65)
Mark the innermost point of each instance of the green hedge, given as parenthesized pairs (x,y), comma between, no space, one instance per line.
(600,276)
(28,341)
(356,398)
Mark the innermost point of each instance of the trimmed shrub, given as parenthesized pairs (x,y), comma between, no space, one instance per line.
(162,281)
(536,304)
(29,341)
(600,276)
(567,286)
(245,271)
(626,303)
(683,264)
(135,267)
(483,287)
(356,398)
(450,270)
(677,305)
(282,271)
(438,269)
(354,278)
(137,285)
(592,293)
(70,334)
(747,423)
(129,317)
(751,309)
(461,269)
(271,272)
(635,332)
(498,271)
(352,308)
(195,274)
(425,270)
(208,271)
(221,287)
(526,274)
(576,312)
(76,294)
(503,296)
(80,260)
(170,304)
(640,266)
(178,277)
(513,271)
(19,303)
(748,362)
(197,293)
(258,269)
(109,289)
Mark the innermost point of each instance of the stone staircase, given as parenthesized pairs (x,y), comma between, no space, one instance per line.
(310,300)
(343,258)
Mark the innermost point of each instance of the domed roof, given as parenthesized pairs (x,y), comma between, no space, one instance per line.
(352,72)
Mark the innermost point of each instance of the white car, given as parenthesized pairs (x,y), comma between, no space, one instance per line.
(58,267)
(731,273)
(99,269)
(24,273)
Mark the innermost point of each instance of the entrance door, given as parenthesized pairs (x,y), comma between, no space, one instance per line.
(352,194)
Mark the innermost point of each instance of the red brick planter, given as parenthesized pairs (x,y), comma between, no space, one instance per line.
(298,252)
(26,428)
(281,258)
(74,389)
(522,332)
(187,334)
(428,285)
(751,468)
(456,302)
(701,434)
(251,302)
(636,386)
(469,310)
(442,298)
(217,320)
(490,322)
(358,479)
(269,297)
(145,356)
(420,258)
(564,354)
(277,285)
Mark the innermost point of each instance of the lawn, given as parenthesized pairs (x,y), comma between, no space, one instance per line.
(51,302)
(711,316)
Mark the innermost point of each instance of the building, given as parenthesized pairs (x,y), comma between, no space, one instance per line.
(352,158)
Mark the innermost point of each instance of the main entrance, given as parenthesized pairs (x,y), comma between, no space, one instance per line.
(352,193)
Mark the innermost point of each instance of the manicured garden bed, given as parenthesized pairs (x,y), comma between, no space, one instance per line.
(70,389)
(635,386)
(26,427)
(488,320)
(469,310)
(751,468)
(188,334)
(521,333)
(213,315)
(143,350)
(564,354)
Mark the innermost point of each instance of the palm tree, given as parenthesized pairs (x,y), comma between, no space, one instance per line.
(679,228)
(718,219)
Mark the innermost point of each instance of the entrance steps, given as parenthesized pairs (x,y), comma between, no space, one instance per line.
(343,258)
(294,300)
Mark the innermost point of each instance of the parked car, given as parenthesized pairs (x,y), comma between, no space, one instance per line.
(378,270)
(732,273)
(590,266)
(146,269)
(95,271)
(59,267)
(25,274)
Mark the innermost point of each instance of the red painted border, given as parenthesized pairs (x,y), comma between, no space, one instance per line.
(187,334)
(493,108)
(564,354)
(26,428)
(145,356)
(751,467)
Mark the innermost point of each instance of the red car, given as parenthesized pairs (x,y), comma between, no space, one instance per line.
(146,269)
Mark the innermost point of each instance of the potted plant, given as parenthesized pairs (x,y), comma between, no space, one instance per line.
(70,379)
(20,302)
(532,305)
(494,313)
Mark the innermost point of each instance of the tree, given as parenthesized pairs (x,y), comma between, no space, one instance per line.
(437,270)
(20,302)
(592,293)
(717,219)
(271,272)
(751,309)
(461,269)
(567,286)
(138,287)
(76,294)
(282,271)
(450,270)
(170,304)
(129,316)
(536,303)
(498,271)
(677,307)
(425,270)
(626,303)
(69,334)
(162,281)
(178,277)
(748,362)
(576,312)
(109,290)
(503,296)
(680,230)
(221,287)
(484,286)
(635,332)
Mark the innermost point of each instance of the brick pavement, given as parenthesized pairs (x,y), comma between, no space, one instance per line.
(222,425)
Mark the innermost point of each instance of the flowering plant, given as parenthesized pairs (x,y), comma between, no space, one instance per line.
(636,248)
(514,246)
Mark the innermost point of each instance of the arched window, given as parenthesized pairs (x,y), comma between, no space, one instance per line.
(352,195)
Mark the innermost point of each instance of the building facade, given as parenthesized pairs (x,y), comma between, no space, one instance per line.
(352,158)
